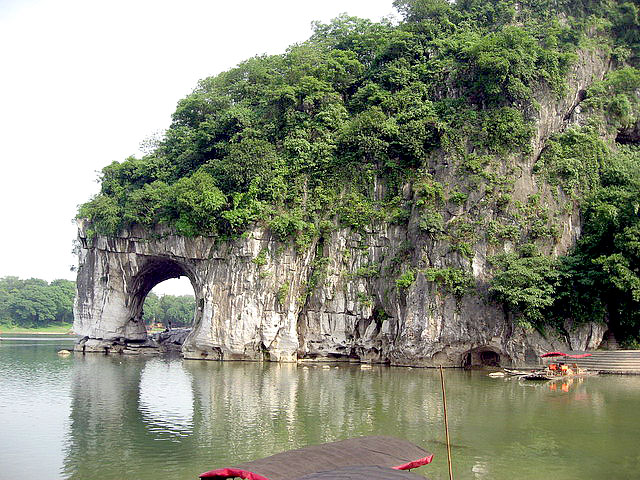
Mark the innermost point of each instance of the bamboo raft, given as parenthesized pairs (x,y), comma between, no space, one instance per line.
(559,371)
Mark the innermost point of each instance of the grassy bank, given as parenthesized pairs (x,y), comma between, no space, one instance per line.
(58,329)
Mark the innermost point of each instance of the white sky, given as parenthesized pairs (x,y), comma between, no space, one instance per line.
(83,83)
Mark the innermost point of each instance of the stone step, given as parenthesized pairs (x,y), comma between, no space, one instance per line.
(609,365)
(603,359)
(634,354)
(609,357)
(612,360)
(616,372)
(614,354)
(608,360)
(606,369)
(622,364)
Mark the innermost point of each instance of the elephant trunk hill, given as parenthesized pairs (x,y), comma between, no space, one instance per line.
(459,188)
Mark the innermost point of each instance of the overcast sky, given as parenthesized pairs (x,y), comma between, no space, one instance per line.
(83,83)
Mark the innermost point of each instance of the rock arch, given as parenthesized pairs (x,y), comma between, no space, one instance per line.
(112,287)
(240,312)
(156,270)
(258,298)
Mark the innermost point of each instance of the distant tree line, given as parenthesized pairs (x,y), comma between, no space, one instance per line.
(34,303)
(169,308)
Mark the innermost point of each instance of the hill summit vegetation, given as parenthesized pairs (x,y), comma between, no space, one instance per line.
(332,133)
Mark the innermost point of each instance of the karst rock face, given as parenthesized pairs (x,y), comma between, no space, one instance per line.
(258,298)
(270,309)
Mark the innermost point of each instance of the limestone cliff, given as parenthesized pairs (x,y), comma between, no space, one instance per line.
(258,298)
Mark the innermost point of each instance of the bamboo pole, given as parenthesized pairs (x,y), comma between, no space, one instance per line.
(446,423)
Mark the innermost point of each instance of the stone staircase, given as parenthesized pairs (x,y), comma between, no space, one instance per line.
(613,361)
(609,342)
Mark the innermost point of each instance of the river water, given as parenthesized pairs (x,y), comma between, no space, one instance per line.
(117,418)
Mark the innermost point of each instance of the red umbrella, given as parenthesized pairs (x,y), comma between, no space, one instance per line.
(560,354)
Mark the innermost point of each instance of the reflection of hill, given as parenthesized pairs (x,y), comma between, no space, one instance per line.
(104,419)
(166,399)
(120,408)
(132,418)
(271,407)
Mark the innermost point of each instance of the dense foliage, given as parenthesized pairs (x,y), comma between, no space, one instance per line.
(602,274)
(281,138)
(600,278)
(302,142)
(169,309)
(35,303)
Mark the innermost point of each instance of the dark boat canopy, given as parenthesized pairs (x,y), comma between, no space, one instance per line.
(560,354)
(363,473)
(379,451)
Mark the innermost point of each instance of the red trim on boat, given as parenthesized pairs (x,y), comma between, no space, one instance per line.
(379,451)
(415,464)
(232,473)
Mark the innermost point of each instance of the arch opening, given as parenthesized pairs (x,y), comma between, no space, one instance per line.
(170,304)
(609,341)
(171,315)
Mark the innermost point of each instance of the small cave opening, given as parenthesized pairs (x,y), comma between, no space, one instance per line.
(379,316)
(489,358)
(609,341)
(480,358)
(629,135)
(466,360)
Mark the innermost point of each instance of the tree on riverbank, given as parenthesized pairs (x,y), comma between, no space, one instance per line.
(34,303)
(169,308)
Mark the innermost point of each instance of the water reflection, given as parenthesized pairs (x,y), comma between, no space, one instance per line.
(34,403)
(166,399)
(106,433)
(265,408)
(134,418)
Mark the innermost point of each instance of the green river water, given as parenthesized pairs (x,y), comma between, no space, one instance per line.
(116,418)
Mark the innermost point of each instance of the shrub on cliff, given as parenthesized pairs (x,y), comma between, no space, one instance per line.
(526,282)
(602,274)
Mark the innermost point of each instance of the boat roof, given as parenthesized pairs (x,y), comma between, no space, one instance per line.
(374,451)
(363,473)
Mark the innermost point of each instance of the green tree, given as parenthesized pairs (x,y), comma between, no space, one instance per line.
(32,305)
(526,283)
(63,292)
(34,302)
(178,310)
(340,130)
(602,274)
